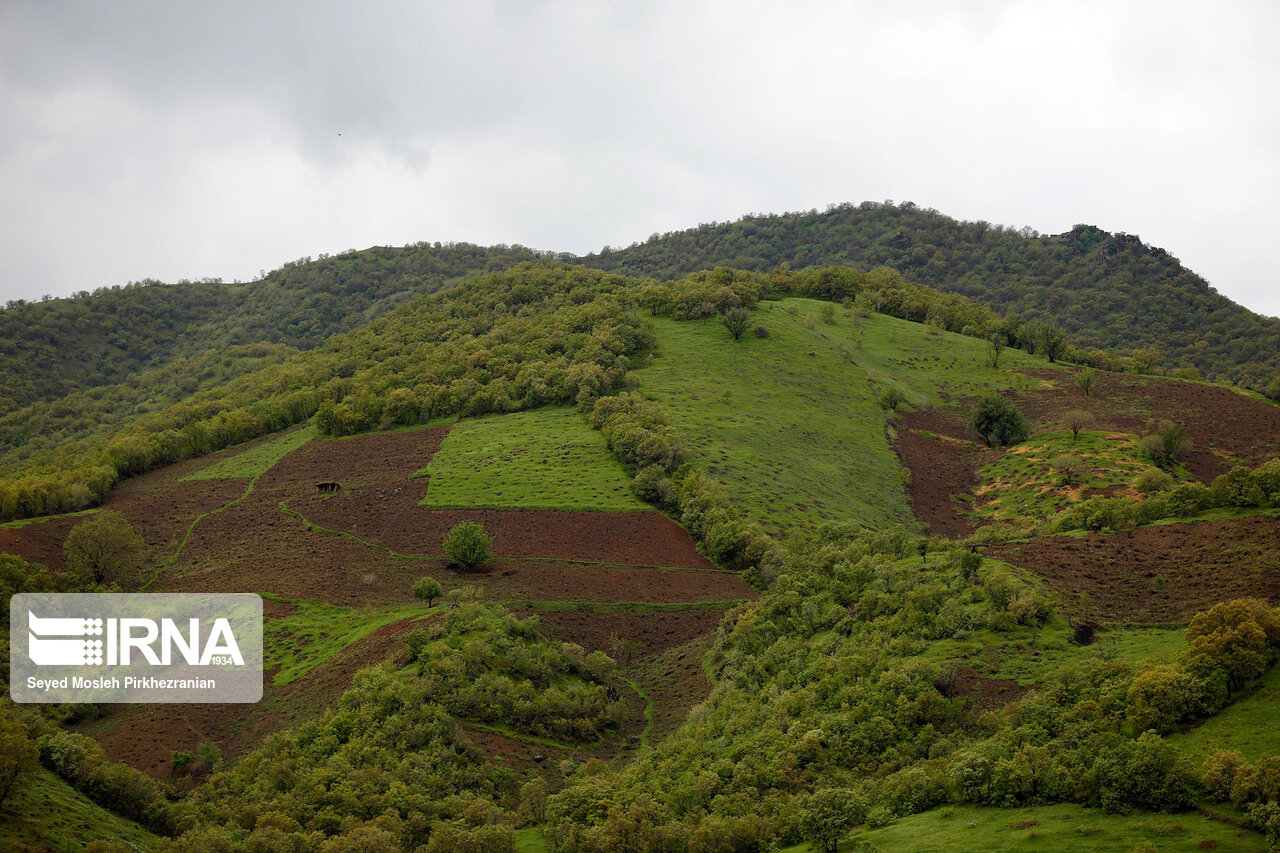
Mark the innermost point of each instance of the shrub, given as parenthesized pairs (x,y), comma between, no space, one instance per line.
(427,589)
(468,544)
(998,421)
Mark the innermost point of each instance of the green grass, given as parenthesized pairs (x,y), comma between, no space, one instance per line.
(1065,827)
(1027,481)
(23,522)
(1247,724)
(547,458)
(43,814)
(790,423)
(315,632)
(532,839)
(1029,659)
(258,459)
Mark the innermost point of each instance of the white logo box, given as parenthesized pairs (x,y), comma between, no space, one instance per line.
(143,647)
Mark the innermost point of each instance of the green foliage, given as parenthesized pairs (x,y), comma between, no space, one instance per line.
(468,544)
(18,755)
(736,320)
(1240,637)
(104,550)
(545,458)
(44,813)
(256,460)
(1055,827)
(122,789)
(179,759)
(515,340)
(427,589)
(1106,291)
(828,815)
(105,337)
(210,755)
(1166,443)
(998,421)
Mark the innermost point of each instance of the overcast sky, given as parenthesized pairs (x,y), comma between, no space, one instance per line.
(171,140)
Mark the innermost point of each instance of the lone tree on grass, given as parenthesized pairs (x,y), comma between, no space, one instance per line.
(1076,420)
(104,549)
(995,345)
(468,544)
(997,420)
(428,589)
(736,320)
(1085,380)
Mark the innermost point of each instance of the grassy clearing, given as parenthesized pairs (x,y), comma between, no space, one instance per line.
(546,458)
(1029,658)
(303,640)
(1247,724)
(1064,827)
(258,459)
(1028,481)
(532,839)
(750,410)
(43,814)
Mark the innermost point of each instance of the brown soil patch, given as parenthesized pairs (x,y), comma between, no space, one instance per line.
(145,736)
(538,580)
(654,632)
(398,523)
(1226,428)
(1160,573)
(987,694)
(675,682)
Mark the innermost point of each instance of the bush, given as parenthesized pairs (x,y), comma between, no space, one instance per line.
(468,544)
(891,398)
(998,421)
(427,589)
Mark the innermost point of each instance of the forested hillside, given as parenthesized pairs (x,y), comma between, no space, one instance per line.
(52,348)
(1109,291)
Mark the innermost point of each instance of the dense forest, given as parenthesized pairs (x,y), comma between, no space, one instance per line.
(1107,291)
(53,347)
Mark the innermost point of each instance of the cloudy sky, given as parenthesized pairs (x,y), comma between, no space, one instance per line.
(170,140)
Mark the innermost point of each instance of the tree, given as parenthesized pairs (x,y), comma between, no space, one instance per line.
(995,345)
(1053,341)
(17,753)
(736,320)
(1239,636)
(1069,468)
(1085,380)
(468,544)
(427,589)
(998,419)
(104,549)
(828,815)
(1076,420)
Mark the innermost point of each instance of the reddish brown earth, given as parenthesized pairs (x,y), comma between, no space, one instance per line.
(145,736)
(538,580)
(654,632)
(1160,573)
(377,544)
(987,693)
(675,683)
(1226,428)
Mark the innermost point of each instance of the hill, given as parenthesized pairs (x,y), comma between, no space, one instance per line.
(754,581)
(1109,291)
(53,347)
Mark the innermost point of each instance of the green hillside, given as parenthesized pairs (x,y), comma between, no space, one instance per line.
(53,347)
(707,617)
(1110,291)
(810,389)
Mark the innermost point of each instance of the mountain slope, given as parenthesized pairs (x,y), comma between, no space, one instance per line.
(52,348)
(1105,290)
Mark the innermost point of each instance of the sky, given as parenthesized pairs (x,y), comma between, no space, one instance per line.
(172,140)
